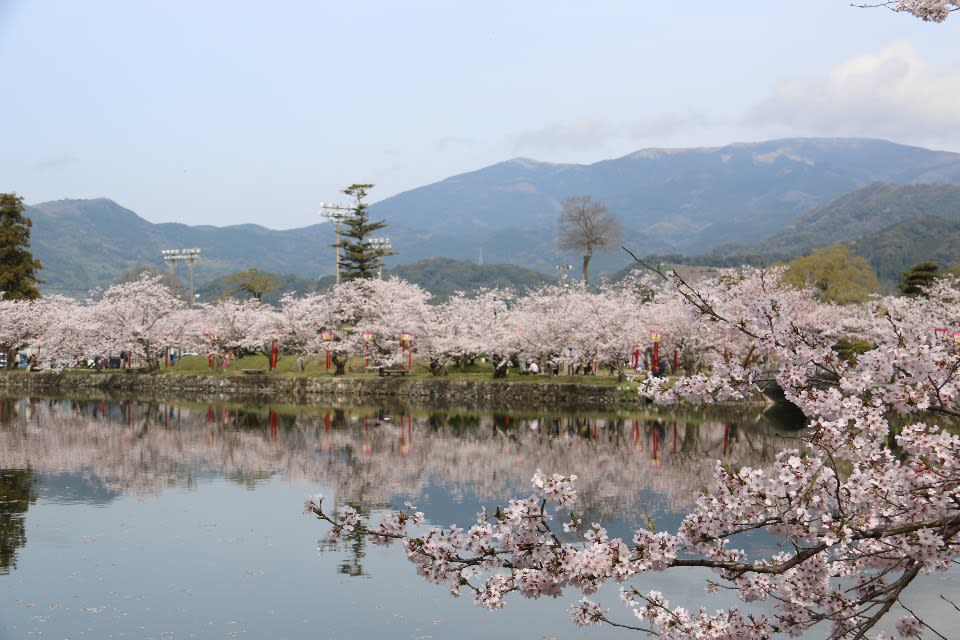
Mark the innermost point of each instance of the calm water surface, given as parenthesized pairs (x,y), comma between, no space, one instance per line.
(134,520)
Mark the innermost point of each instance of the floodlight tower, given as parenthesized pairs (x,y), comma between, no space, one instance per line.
(190,256)
(336,214)
(383,248)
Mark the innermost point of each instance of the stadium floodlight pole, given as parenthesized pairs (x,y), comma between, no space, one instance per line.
(383,247)
(190,256)
(336,214)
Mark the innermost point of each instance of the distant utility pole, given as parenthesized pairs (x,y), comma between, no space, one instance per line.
(173,256)
(336,214)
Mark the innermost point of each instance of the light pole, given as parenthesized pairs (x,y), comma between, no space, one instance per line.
(383,247)
(336,214)
(190,256)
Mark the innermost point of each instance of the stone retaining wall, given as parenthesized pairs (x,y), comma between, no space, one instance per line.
(311,390)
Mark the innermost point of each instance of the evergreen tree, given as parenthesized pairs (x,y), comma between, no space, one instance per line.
(17,493)
(18,268)
(359,258)
(919,277)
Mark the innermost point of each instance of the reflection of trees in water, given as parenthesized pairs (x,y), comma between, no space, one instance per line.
(353,544)
(625,464)
(16,495)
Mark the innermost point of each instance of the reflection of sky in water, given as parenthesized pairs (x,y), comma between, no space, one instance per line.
(195,529)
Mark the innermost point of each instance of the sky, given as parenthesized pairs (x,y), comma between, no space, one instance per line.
(236,112)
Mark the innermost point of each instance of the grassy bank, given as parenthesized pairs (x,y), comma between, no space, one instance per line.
(315,367)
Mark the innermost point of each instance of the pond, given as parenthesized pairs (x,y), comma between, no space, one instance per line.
(139,520)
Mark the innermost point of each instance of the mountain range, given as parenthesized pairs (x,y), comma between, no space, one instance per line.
(779,197)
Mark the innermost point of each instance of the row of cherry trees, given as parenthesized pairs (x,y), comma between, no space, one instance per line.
(559,327)
(862,507)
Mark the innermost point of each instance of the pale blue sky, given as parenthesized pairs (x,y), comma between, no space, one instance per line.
(231,112)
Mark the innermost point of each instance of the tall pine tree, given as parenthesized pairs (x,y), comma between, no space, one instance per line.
(18,267)
(359,258)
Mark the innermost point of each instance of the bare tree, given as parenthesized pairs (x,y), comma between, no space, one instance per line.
(587,226)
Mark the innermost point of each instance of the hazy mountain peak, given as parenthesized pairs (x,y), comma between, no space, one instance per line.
(788,153)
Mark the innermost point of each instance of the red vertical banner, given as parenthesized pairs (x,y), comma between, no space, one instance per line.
(655,355)
(327,336)
(655,449)
(367,339)
(406,345)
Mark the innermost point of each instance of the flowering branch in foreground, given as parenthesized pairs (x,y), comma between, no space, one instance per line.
(862,508)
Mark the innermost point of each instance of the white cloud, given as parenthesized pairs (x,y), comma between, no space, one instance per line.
(891,94)
(597,133)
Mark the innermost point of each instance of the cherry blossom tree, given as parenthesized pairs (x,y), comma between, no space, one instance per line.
(862,507)
(231,328)
(467,327)
(368,317)
(19,321)
(927,10)
(61,330)
(128,318)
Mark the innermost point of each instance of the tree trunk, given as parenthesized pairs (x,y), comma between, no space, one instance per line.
(586,269)
(339,363)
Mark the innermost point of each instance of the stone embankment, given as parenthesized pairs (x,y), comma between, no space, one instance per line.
(517,393)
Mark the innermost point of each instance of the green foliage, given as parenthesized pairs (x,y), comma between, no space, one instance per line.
(18,267)
(442,277)
(896,249)
(919,278)
(17,493)
(864,212)
(359,259)
(836,274)
(252,282)
(848,349)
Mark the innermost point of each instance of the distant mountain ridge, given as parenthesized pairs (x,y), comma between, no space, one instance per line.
(84,244)
(859,214)
(685,201)
(669,200)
